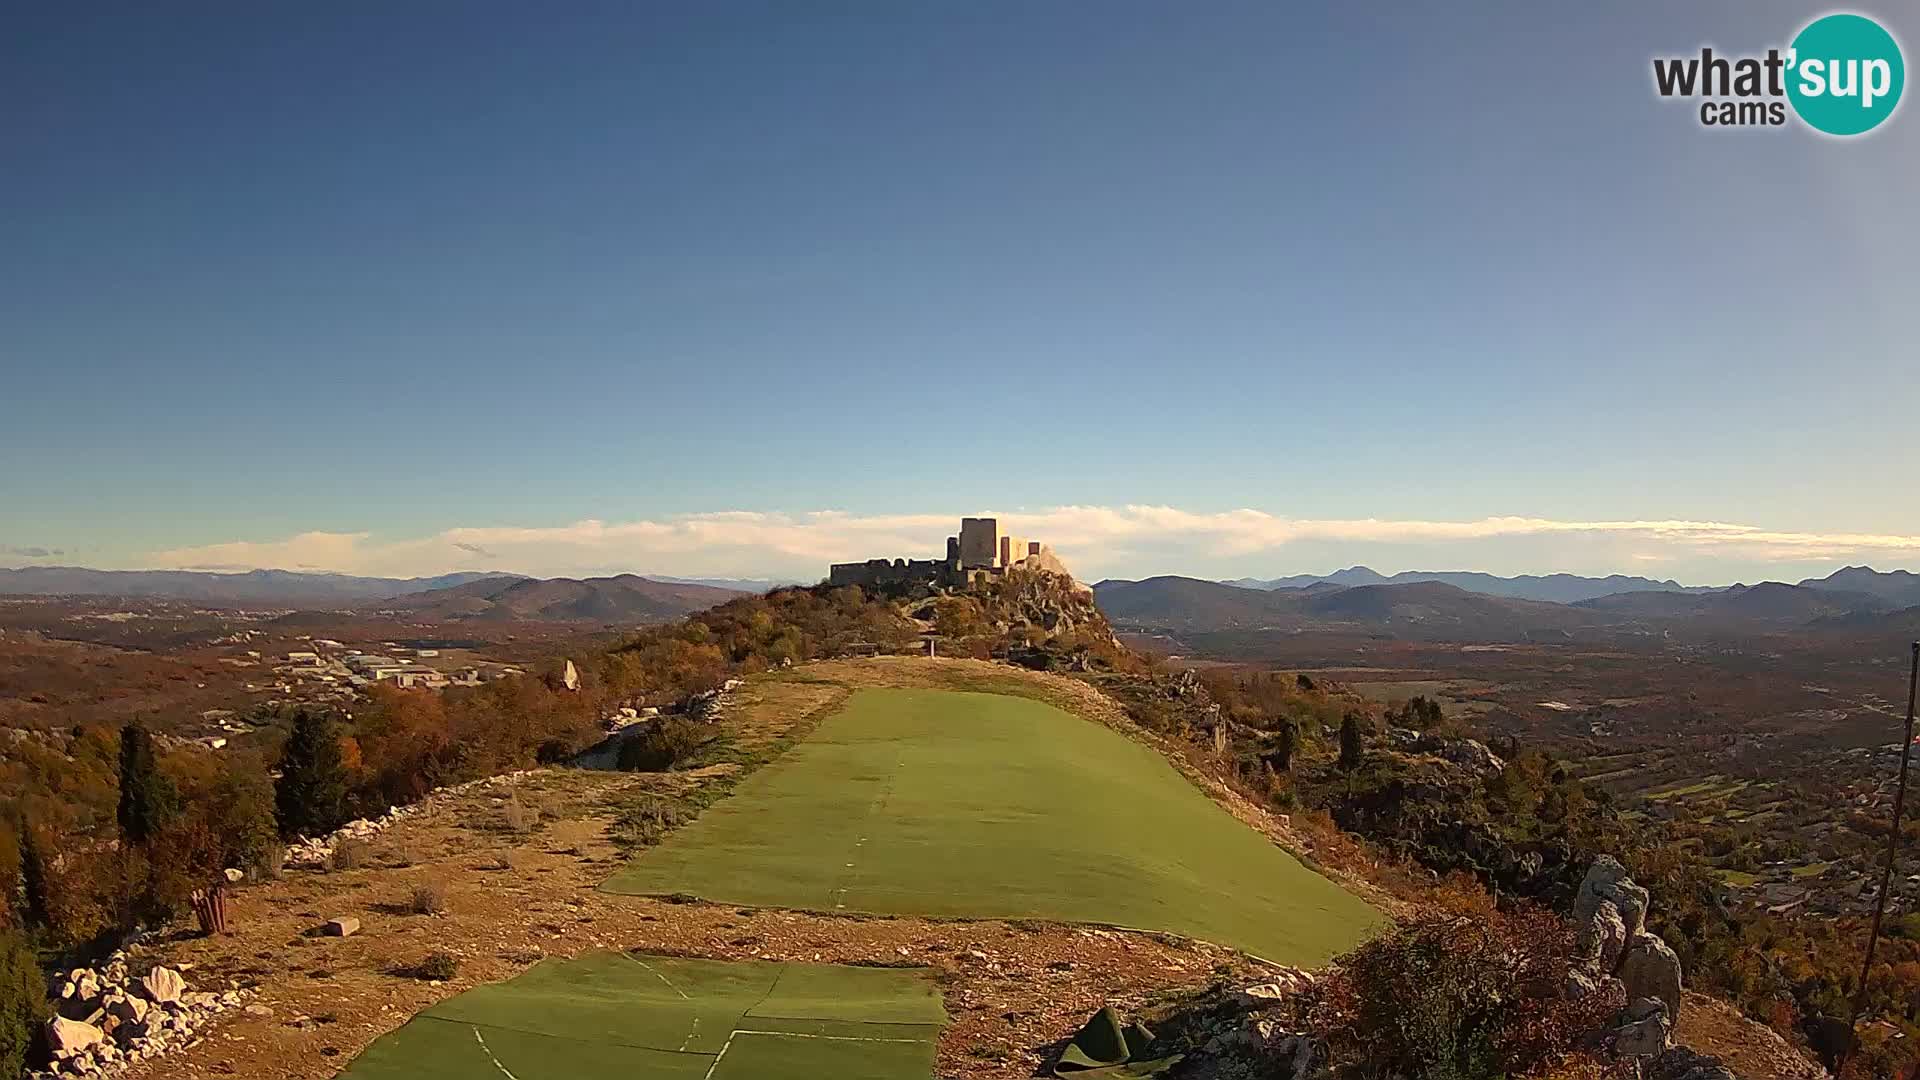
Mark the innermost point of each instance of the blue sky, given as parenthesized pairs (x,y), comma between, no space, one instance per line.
(334,287)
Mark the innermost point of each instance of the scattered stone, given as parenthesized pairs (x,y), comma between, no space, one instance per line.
(67,1037)
(163,986)
(128,1008)
(345,926)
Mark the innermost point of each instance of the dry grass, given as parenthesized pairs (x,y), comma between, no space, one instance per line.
(350,854)
(429,897)
(518,819)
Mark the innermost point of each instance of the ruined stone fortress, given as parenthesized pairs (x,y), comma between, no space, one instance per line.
(980,551)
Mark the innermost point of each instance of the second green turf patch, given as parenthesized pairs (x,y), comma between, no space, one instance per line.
(948,804)
(661,1018)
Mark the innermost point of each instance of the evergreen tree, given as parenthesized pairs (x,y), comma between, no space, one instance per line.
(9,878)
(23,1002)
(310,797)
(1286,740)
(148,800)
(35,888)
(1352,748)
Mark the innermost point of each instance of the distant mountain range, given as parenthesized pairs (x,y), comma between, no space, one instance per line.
(1856,599)
(1430,609)
(627,598)
(1901,588)
(275,588)
(1554,588)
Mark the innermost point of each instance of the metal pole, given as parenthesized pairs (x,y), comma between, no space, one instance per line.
(1893,845)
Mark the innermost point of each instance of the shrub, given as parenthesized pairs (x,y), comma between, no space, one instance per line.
(350,854)
(661,746)
(429,897)
(515,815)
(439,966)
(1459,998)
(645,822)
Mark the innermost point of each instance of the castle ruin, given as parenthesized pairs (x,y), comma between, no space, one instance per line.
(980,551)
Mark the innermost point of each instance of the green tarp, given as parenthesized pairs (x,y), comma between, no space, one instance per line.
(969,805)
(640,1017)
(1109,1046)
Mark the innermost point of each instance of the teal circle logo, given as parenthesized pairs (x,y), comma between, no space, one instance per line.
(1845,74)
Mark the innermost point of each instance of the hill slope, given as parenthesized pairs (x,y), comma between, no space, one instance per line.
(624,598)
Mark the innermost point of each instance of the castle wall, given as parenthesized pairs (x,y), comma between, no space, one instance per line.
(884,572)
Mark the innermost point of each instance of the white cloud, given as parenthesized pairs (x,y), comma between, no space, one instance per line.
(1095,540)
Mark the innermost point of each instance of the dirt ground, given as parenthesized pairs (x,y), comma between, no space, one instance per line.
(1015,991)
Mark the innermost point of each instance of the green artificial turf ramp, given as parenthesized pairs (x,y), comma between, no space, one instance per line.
(638,1017)
(968,805)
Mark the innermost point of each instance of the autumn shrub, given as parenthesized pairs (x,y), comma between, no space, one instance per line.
(1453,997)
(662,746)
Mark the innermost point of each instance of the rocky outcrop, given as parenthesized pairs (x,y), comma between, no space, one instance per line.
(1469,754)
(106,1019)
(1607,882)
(1615,946)
(1651,970)
(1645,1031)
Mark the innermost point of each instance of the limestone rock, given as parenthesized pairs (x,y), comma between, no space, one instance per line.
(1603,938)
(163,986)
(570,677)
(345,926)
(66,1036)
(1646,1032)
(1651,970)
(1608,882)
(128,1008)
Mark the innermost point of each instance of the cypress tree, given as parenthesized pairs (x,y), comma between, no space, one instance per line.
(34,886)
(1286,738)
(148,800)
(310,797)
(1351,746)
